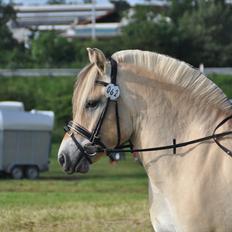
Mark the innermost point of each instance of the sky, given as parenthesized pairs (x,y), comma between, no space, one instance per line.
(38,2)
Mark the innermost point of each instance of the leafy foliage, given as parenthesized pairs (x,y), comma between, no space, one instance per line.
(207,33)
(6,42)
(44,93)
(55,2)
(196,31)
(49,49)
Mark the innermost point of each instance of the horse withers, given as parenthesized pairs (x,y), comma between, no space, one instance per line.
(150,100)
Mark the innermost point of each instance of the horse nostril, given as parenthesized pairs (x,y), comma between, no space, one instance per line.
(61,160)
(64,161)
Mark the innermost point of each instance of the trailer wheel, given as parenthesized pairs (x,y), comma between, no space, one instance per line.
(32,172)
(17,172)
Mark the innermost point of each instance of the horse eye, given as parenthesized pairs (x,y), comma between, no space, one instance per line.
(91,104)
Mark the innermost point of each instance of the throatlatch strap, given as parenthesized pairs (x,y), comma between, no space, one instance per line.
(114,70)
(117,124)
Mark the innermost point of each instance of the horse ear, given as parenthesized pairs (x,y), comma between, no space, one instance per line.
(97,57)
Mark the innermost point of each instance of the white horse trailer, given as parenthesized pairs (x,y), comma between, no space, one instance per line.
(25,140)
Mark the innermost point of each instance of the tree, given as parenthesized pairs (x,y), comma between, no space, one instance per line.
(195,31)
(206,32)
(6,42)
(51,49)
(56,2)
(150,30)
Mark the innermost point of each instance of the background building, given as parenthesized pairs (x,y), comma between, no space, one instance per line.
(71,20)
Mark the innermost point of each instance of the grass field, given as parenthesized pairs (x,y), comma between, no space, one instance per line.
(109,198)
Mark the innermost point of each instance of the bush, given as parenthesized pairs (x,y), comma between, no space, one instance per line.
(56,93)
(49,49)
(42,94)
(194,31)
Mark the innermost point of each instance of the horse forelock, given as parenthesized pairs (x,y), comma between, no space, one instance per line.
(83,87)
(177,73)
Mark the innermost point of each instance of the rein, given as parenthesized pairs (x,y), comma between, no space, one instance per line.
(175,145)
(96,145)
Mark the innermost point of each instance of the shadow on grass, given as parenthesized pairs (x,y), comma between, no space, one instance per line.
(115,177)
(59,176)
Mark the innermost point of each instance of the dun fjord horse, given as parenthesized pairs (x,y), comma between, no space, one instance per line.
(153,100)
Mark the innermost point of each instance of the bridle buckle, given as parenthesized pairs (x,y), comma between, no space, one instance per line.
(67,130)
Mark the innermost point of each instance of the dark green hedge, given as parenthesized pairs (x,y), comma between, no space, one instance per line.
(42,93)
(55,94)
(195,31)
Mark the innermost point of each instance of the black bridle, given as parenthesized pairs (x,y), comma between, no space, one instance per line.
(96,145)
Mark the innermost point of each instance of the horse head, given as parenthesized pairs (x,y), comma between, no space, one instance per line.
(98,118)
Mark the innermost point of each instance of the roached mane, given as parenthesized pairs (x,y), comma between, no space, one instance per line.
(179,73)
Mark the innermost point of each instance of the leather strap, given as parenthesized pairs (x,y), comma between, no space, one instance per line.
(215,138)
(93,136)
(95,139)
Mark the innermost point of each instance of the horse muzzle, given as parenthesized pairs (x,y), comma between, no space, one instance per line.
(71,165)
(76,159)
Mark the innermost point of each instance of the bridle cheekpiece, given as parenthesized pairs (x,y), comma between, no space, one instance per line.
(112,93)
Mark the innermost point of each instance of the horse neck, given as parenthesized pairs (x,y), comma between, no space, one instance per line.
(163,112)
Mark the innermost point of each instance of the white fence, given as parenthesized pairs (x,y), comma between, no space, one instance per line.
(54,72)
(73,72)
(226,70)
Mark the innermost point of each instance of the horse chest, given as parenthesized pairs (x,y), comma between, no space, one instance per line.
(161,213)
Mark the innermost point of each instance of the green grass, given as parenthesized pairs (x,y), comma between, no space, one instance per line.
(108,198)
